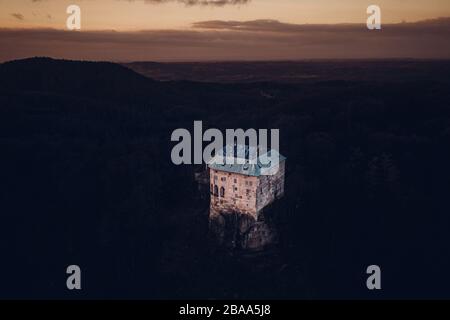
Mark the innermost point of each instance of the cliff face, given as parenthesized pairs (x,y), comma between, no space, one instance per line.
(235,230)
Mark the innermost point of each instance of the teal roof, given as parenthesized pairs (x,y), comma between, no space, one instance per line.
(242,160)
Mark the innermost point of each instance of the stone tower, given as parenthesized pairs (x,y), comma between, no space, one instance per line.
(240,191)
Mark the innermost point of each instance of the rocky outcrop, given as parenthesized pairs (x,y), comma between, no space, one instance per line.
(235,230)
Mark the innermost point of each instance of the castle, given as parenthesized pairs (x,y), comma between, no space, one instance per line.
(244,188)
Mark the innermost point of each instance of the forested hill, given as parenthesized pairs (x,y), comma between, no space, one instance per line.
(75,78)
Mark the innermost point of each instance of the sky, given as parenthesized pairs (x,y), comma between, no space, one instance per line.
(190,30)
(175,14)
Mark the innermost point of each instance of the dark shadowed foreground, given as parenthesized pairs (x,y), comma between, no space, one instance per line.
(86,179)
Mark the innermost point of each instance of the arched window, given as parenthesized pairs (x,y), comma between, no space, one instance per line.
(212,189)
(216,191)
(222,192)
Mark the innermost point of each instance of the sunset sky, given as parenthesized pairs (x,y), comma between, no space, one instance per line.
(141,14)
(226,29)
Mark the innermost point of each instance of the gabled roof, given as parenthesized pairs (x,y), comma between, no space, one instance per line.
(243,160)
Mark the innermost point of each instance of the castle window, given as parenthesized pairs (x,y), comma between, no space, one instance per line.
(235,180)
(222,191)
(212,188)
(250,183)
(216,191)
(215,178)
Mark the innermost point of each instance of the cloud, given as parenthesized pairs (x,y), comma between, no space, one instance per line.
(245,40)
(267,25)
(255,25)
(216,3)
(18,16)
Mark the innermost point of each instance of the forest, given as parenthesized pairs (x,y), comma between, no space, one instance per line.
(87,179)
